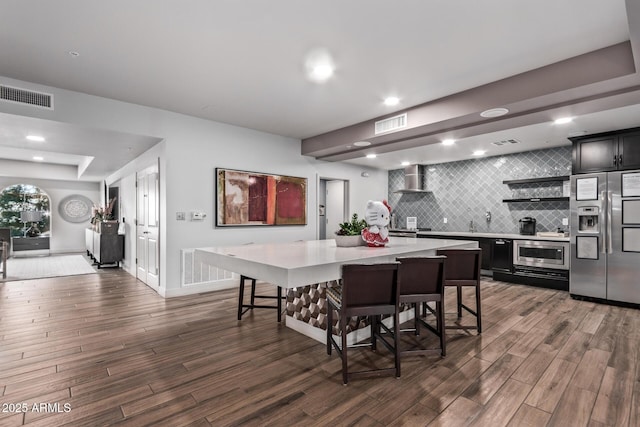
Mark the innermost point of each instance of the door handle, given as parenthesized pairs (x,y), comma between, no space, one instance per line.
(615,160)
(146,232)
(609,220)
(620,160)
(603,217)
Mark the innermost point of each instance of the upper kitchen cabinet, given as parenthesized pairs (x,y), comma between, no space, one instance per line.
(610,151)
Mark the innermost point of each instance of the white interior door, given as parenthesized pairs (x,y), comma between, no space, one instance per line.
(335,209)
(147,226)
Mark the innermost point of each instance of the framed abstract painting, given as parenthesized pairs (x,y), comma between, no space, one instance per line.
(254,198)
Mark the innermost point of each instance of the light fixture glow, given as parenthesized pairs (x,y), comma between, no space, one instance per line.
(362,143)
(448,141)
(38,158)
(494,112)
(563,120)
(391,101)
(322,72)
(479,152)
(371,156)
(319,65)
(405,163)
(36,138)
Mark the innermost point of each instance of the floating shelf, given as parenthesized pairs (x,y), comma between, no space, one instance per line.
(534,180)
(538,199)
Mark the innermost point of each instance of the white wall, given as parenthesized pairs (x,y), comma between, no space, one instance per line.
(191,150)
(65,236)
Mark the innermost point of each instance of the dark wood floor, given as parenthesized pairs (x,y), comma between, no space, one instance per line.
(117,353)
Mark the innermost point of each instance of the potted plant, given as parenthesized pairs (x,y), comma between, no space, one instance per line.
(349,234)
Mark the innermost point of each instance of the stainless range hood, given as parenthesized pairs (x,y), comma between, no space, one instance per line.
(413,180)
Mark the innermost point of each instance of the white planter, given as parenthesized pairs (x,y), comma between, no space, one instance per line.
(349,241)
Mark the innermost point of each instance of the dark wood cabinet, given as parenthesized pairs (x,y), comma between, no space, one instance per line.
(30,243)
(105,248)
(604,152)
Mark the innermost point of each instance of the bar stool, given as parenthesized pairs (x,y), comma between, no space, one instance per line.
(421,280)
(243,308)
(366,290)
(463,269)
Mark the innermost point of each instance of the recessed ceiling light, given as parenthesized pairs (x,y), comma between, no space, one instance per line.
(494,112)
(448,141)
(319,65)
(371,156)
(563,120)
(362,143)
(405,163)
(74,54)
(36,138)
(322,72)
(479,152)
(38,158)
(391,101)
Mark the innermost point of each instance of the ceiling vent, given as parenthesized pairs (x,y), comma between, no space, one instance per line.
(29,97)
(506,142)
(391,124)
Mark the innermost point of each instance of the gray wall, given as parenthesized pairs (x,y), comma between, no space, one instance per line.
(464,191)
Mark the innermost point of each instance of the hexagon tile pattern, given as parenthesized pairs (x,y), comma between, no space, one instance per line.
(464,191)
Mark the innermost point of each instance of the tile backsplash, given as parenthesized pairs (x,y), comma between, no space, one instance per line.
(464,191)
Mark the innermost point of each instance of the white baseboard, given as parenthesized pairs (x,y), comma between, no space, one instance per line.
(199,288)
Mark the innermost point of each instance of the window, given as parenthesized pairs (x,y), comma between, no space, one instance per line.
(25,209)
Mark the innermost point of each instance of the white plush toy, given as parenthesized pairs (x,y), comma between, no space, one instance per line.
(377,215)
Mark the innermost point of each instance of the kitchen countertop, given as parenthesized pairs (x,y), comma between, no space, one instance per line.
(490,235)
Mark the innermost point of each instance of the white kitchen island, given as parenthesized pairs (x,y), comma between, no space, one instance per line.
(309,263)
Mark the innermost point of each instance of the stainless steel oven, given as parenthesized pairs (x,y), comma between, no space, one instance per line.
(541,254)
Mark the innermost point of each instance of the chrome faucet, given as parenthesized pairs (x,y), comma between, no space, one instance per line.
(472,227)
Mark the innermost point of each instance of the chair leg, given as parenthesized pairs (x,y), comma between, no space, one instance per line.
(253,291)
(478,309)
(440,309)
(396,341)
(241,297)
(329,328)
(343,332)
(279,304)
(374,331)
(459,293)
(416,318)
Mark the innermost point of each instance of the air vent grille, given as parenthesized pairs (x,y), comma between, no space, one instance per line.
(506,142)
(23,96)
(391,124)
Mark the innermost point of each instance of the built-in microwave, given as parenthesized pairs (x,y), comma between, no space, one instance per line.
(541,253)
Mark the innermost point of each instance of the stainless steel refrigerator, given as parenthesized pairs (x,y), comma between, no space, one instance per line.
(605,236)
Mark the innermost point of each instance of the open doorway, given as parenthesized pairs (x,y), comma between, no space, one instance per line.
(333,206)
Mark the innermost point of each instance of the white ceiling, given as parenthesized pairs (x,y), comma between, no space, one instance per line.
(242,62)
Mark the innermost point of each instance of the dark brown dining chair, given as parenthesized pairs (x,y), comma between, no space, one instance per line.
(421,280)
(244,307)
(366,290)
(463,269)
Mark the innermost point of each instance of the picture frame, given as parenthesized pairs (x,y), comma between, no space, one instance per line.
(245,198)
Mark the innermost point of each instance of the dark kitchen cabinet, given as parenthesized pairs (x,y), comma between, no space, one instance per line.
(502,255)
(606,152)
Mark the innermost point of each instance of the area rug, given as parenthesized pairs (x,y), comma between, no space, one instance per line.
(47,266)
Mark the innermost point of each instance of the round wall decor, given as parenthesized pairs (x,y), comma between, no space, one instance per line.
(75,208)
